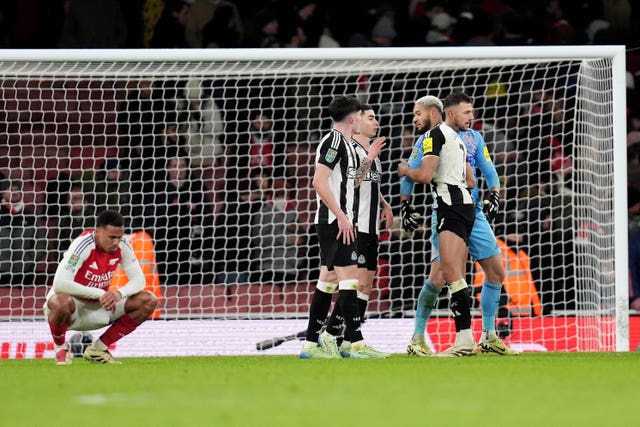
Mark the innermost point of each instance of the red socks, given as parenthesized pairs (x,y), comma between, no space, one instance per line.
(58,332)
(120,328)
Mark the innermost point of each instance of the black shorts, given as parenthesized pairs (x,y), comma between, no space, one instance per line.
(457,219)
(367,251)
(333,253)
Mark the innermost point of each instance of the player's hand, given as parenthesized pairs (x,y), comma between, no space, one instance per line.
(376,146)
(409,216)
(387,216)
(109,299)
(345,230)
(403,167)
(491,205)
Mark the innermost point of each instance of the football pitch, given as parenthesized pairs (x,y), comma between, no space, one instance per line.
(533,389)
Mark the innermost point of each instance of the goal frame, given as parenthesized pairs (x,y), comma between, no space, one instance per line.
(614,52)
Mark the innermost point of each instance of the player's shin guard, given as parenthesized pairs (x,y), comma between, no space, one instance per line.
(336,321)
(120,328)
(461,305)
(320,304)
(347,299)
(489,302)
(426,302)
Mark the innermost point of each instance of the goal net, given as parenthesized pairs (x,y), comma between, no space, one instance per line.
(210,154)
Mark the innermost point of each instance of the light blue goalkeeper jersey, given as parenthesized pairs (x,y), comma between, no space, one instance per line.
(477,156)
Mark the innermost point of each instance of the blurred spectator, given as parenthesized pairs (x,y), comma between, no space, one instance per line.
(223,31)
(11,192)
(309,22)
(441,29)
(267,29)
(22,237)
(203,12)
(112,189)
(56,197)
(151,165)
(152,11)
(274,235)
(524,214)
(510,28)
(137,117)
(561,32)
(93,24)
(618,13)
(201,125)
(258,147)
(169,31)
(384,33)
(76,215)
(180,218)
(233,229)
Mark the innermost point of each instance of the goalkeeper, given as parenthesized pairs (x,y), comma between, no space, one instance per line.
(482,242)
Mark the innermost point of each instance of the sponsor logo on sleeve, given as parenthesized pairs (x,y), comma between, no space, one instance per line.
(73,260)
(427,145)
(330,157)
(486,154)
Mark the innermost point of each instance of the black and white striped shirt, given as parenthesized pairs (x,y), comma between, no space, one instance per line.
(340,156)
(449,184)
(367,194)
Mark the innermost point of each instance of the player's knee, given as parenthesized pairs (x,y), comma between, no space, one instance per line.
(61,304)
(364,287)
(438,280)
(496,277)
(495,274)
(147,302)
(449,272)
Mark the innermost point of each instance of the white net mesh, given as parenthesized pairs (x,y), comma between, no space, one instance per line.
(213,159)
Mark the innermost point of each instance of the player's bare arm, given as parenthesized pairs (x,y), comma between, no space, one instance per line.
(422,174)
(374,150)
(471,182)
(387,213)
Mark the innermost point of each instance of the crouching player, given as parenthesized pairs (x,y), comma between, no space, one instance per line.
(80,298)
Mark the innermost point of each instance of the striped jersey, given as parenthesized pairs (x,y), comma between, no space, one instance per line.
(367,194)
(449,185)
(336,153)
(89,266)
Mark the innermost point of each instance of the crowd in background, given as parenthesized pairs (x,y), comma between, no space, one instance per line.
(171,164)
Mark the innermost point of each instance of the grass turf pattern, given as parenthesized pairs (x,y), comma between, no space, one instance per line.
(533,389)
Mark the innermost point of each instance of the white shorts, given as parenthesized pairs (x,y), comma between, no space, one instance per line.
(89,315)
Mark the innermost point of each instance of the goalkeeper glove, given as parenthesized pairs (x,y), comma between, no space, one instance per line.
(409,216)
(491,205)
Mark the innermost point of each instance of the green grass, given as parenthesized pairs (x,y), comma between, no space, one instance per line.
(553,389)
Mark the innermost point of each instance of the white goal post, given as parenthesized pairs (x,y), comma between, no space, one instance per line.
(239,264)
